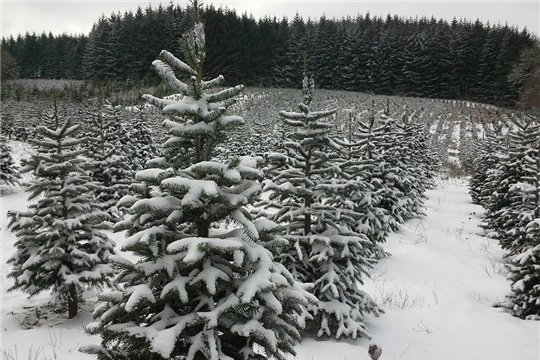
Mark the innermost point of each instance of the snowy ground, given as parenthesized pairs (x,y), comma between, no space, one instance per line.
(438,289)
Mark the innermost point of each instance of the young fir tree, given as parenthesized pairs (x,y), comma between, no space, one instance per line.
(508,208)
(362,165)
(523,191)
(197,291)
(307,190)
(370,136)
(59,244)
(524,274)
(108,165)
(411,152)
(392,171)
(490,151)
(524,302)
(139,143)
(467,155)
(9,172)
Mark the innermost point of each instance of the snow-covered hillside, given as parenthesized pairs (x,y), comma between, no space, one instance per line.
(439,290)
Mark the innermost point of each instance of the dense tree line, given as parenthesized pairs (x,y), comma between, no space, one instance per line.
(44,56)
(418,57)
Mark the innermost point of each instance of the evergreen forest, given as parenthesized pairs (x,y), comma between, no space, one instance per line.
(393,56)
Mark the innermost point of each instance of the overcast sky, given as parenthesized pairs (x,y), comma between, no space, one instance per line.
(75,17)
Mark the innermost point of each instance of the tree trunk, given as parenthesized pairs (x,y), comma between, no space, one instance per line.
(203,229)
(307,216)
(307,198)
(73,305)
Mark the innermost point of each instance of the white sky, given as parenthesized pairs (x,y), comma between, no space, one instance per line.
(75,17)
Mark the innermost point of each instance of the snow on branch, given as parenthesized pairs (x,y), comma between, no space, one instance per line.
(199,129)
(225,94)
(181,108)
(195,246)
(167,74)
(315,115)
(194,189)
(144,236)
(254,328)
(157,102)
(163,342)
(213,83)
(247,223)
(177,285)
(139,293)
(210,276)
(214,114)
(292,115)
(167,203)
(154,175)
(230,120)
(176,63)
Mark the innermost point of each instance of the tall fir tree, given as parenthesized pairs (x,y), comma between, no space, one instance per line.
(139,139)
(60,243)
(521,173)
(416,160)
(401,193)
(508,208)
(108,163)
(198,291)
(307,190)
(490,150)
(362,164)
(524,302)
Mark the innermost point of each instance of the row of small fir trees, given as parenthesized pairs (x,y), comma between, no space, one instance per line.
(506,182)
(222,273)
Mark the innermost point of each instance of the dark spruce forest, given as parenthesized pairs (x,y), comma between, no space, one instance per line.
(393,56)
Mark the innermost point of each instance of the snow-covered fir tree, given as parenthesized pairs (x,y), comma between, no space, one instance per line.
(524,302)
(395,159)
(363,165)
(490,150)
(523,195)
(441,139)
(307,189)
(524,274)
(513,201)
(138,141)
(402,179)
(60,243)
(206,285)
(9,172)
(467,152)
(108,165)
(430,159)
(416,161)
